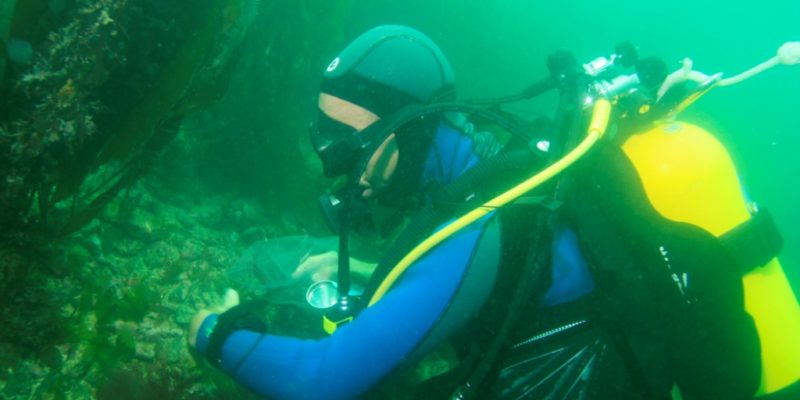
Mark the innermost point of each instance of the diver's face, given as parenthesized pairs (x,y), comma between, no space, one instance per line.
(383,162)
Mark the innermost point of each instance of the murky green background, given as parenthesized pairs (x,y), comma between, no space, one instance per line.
(145,145)
(499,47)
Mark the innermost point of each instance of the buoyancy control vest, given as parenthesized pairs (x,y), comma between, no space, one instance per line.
(670,235)
(689,177)
(668,309)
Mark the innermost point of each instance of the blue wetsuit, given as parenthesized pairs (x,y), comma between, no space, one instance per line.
(420,311)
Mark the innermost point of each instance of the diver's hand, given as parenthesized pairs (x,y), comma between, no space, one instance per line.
(230,300)
(319,267)
(324,266)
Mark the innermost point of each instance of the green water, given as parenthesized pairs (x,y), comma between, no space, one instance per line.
(497,48)
(208,102)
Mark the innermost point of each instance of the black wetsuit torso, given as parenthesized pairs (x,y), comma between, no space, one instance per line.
(668,308)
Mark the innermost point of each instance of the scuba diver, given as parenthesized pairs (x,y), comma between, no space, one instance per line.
(583,288)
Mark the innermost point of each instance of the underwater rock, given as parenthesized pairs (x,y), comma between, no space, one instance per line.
(145,351)
(192,249)
(128,248)
(252,235)
(94,244)
(149,261)
(184,316)
(160,331)
(77,257)
(230,215)
(160,255)
(142,226)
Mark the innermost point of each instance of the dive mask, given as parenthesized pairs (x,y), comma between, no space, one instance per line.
(338,145)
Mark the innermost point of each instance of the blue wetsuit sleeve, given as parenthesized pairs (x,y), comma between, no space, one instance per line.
(364,351)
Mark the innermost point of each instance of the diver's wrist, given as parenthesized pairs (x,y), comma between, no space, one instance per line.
(203,337)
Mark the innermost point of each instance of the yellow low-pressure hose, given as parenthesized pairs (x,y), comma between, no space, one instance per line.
(597,128)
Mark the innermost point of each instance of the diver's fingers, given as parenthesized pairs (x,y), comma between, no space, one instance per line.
(231,299)
(303,268)
(323,274)
(312,263)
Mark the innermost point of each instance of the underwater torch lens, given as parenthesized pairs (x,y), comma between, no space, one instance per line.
(322,294)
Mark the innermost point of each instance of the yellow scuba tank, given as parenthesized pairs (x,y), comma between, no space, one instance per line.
(689,177)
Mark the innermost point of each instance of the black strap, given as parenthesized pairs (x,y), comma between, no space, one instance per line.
(754,242)
(670,279)
(247,316)
(532,281)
